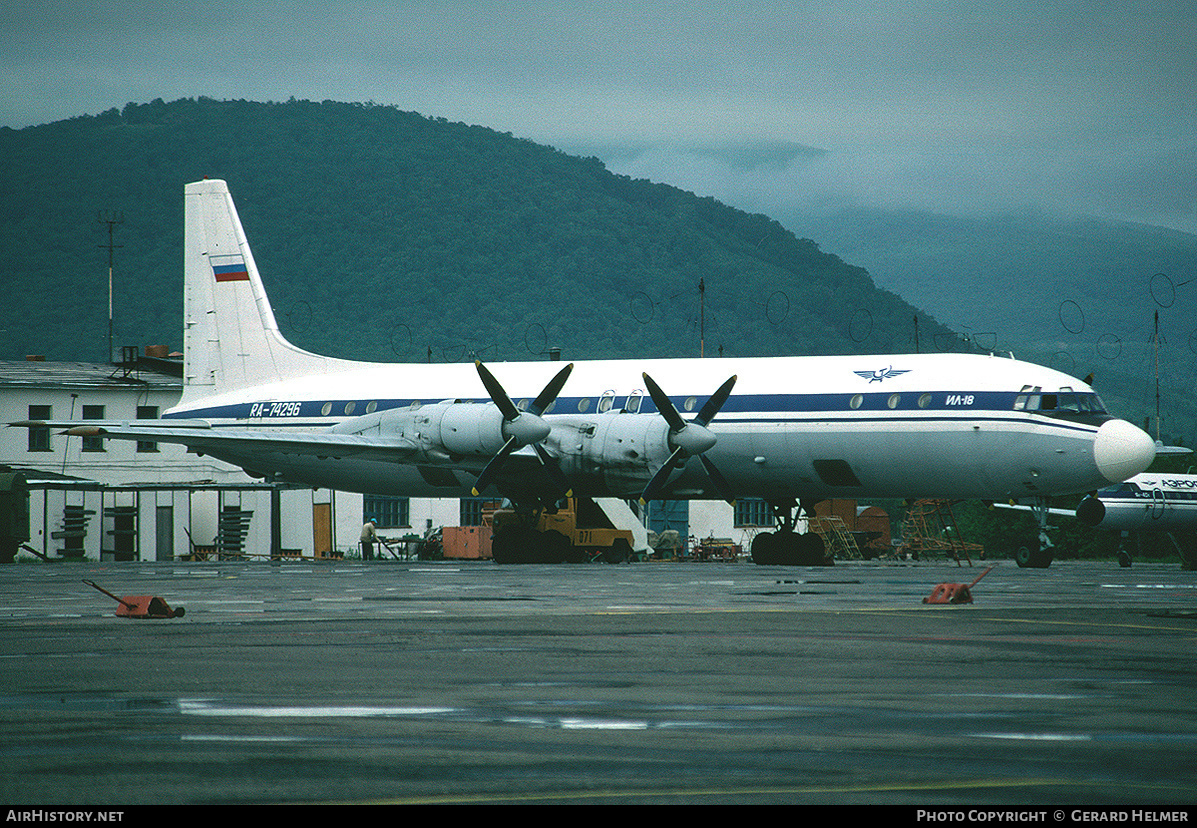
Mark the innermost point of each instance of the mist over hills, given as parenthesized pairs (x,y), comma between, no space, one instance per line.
(1112,277)
(388,236)
(1079,294)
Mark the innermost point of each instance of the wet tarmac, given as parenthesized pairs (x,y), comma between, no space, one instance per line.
(715,683)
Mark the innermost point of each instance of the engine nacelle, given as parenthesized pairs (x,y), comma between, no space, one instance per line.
(438,431)
(1091,511)
(469,428)
(1131,508)
(617,452)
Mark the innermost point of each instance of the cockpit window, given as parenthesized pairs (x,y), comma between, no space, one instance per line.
(1062,403)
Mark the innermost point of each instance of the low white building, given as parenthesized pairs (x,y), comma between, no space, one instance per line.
(119,500)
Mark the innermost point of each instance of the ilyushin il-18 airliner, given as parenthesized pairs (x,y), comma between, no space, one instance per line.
(789,430)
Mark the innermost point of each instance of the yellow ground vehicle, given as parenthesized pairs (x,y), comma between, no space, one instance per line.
(576,533)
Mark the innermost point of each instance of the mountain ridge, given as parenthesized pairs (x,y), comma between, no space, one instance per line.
(389,236)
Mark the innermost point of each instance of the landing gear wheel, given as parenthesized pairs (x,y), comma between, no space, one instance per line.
(619,552)
(765,549)
(790,549)
(554,547)
(1034,558)
(815,550)
(515,545)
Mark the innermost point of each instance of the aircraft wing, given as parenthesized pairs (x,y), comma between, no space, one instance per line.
(1019,507)
(198,436)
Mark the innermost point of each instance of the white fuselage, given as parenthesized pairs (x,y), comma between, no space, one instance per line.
(1155,502)
(941,425)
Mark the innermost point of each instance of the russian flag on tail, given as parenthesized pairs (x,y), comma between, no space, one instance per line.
(230,269)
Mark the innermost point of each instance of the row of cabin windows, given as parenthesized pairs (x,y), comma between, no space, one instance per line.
(39,436)
(605,405)
(1033,401)
(893,402)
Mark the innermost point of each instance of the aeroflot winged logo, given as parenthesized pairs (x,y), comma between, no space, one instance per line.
(883,374)
(229,268)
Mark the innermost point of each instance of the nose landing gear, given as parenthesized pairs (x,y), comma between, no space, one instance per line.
(785,546)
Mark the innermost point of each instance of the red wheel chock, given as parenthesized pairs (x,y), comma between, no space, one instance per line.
(954,593)
(141,606)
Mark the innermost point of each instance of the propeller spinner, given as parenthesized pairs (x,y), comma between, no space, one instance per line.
(521,428)
(688,439)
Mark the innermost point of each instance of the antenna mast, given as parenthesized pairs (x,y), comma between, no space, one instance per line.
(111,219)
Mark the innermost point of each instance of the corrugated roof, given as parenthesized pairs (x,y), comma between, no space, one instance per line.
(32,374)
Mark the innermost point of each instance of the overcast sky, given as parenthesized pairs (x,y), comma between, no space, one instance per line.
(1075,107)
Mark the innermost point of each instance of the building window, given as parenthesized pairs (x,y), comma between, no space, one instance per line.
(471,511)
(39,436)
(147,412)
(93,412)
(388,512)
(752,511)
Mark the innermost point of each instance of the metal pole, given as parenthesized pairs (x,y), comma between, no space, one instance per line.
(111,219)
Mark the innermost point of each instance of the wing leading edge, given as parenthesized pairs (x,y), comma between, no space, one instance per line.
(200,437)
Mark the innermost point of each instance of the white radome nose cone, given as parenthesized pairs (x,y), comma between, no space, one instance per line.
(1122,450)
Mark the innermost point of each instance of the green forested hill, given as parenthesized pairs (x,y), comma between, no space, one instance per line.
(385,235)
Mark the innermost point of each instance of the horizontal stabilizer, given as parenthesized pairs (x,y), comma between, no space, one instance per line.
(1160,448)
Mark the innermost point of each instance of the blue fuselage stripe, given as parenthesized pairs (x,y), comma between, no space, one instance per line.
(798,409)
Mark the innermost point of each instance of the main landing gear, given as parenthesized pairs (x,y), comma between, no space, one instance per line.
(1124,555)
(523,544)
(1037,553)
(787,547)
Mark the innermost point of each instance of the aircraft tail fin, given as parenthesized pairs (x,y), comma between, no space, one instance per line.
(230,336)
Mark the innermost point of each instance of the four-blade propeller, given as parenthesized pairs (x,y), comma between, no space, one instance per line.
(688,439)
(522,428)
(528,428)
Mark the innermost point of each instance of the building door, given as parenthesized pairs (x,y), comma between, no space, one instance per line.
(322,529)
(164,531)
(119,541)
(664,515)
